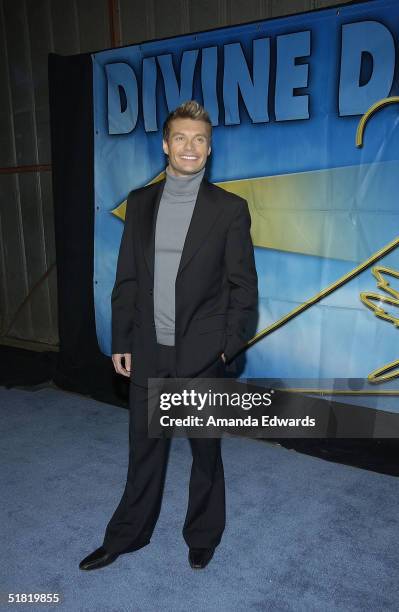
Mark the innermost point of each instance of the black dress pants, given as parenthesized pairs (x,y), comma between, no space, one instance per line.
(134,519)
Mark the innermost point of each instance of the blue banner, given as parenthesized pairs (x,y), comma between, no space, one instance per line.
(287,98)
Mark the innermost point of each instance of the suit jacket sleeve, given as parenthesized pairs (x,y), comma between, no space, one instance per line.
(243,280)
(124,292)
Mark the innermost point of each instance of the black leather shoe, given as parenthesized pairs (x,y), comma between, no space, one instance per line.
(99,558)
(200,557)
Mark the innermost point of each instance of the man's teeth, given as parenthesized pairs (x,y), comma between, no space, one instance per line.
(188,157)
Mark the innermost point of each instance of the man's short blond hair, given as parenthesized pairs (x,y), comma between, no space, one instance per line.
(188,110)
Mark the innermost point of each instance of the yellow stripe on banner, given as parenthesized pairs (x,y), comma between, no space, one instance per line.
(120,210)
(369,113)
(312,213)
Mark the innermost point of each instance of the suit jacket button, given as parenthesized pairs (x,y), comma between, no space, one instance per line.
(151,292)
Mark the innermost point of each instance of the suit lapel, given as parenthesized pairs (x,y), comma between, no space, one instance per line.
(149,211)
(205,213)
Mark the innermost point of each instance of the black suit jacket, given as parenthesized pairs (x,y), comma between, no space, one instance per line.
(216,283)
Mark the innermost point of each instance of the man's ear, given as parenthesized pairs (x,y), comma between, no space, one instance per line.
(165,147)
(209,150)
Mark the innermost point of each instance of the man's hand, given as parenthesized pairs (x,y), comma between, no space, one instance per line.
(117,361)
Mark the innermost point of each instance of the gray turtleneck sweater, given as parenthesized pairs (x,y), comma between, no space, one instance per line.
(173,219)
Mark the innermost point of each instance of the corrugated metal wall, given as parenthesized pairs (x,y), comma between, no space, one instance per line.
(29,30)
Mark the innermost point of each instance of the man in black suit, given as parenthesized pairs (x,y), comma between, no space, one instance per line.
(184,297)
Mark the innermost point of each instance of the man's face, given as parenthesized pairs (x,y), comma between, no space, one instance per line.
(188,146)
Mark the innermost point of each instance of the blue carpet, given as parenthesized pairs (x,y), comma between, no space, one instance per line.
(302,534)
